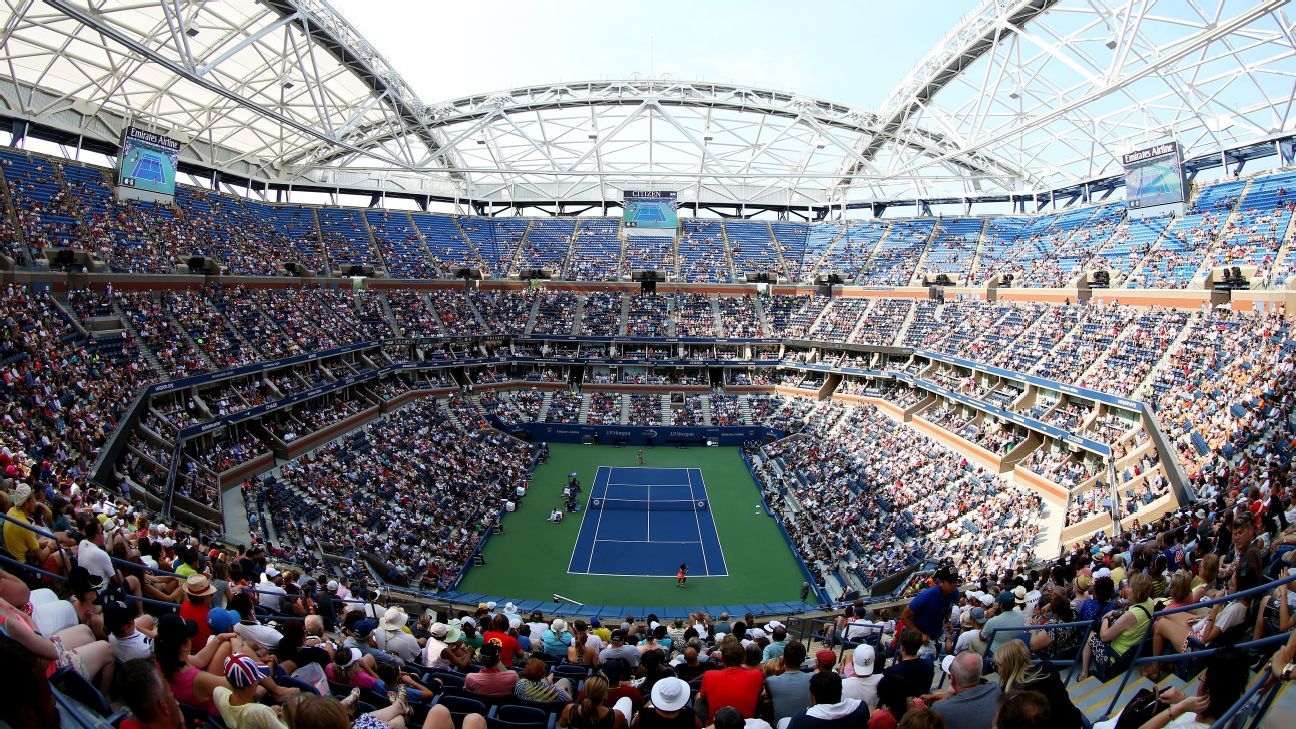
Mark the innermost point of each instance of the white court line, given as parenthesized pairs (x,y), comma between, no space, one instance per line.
(719,541)
(697,518)
(597,524)
(615,574)
(648,468)
(584,512)
(645,541)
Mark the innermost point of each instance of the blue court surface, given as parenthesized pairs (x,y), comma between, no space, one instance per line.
(645,522)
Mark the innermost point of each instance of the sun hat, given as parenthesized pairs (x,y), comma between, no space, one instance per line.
(670,694)
(393,619)
(1019,595)
(453,635)
(198,586)
(509,608)
(558,625)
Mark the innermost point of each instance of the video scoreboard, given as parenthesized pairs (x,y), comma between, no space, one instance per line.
(1154,176)
(648,210)
(146,169)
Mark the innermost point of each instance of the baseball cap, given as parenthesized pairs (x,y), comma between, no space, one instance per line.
(117,615)
(242,671)
(670,694)
(863,659)
(173,628)
(618,636)
(946,662)
(946,573)
(364,628)
(490,654)
(825,657)
(221,620)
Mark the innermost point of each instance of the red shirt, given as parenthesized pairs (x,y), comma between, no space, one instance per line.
(507,643)
(198,614)
(491,682)
(734,686)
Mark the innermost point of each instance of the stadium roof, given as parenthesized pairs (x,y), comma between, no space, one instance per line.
(1023,96)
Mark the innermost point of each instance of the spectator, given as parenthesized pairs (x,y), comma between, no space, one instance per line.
(393,638)
(863,685)
(733,686)
(1017,675)
(1025,710)
(974,701)
(829,709)
(237,703)
(916,672)
(494,679)
(591,713)
(537,685)
(789,691)
(1108,645)
(619,650)
(151,702)
(669,708)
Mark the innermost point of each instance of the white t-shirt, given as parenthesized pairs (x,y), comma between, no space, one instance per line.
(93,558)
(135,645)
(1231,615)
(263,635)
(268,593)
(862,688)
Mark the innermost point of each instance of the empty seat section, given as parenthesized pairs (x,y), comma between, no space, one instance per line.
(896,257)
(596,251)
(346,239)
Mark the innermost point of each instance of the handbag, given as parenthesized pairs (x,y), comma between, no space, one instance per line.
(1145,705)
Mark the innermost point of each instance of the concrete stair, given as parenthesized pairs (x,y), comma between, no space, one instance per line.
(531,317)
(544,407)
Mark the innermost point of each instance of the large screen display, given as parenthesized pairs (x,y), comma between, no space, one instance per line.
(651,209)
(1154,176)
(148,162)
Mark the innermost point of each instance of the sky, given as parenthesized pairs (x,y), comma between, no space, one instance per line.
(847,52)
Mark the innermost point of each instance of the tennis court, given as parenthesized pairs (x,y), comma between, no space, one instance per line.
(645,522)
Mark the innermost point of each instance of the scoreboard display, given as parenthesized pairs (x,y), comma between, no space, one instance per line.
(650,209)
(1154,176)
(147,163)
